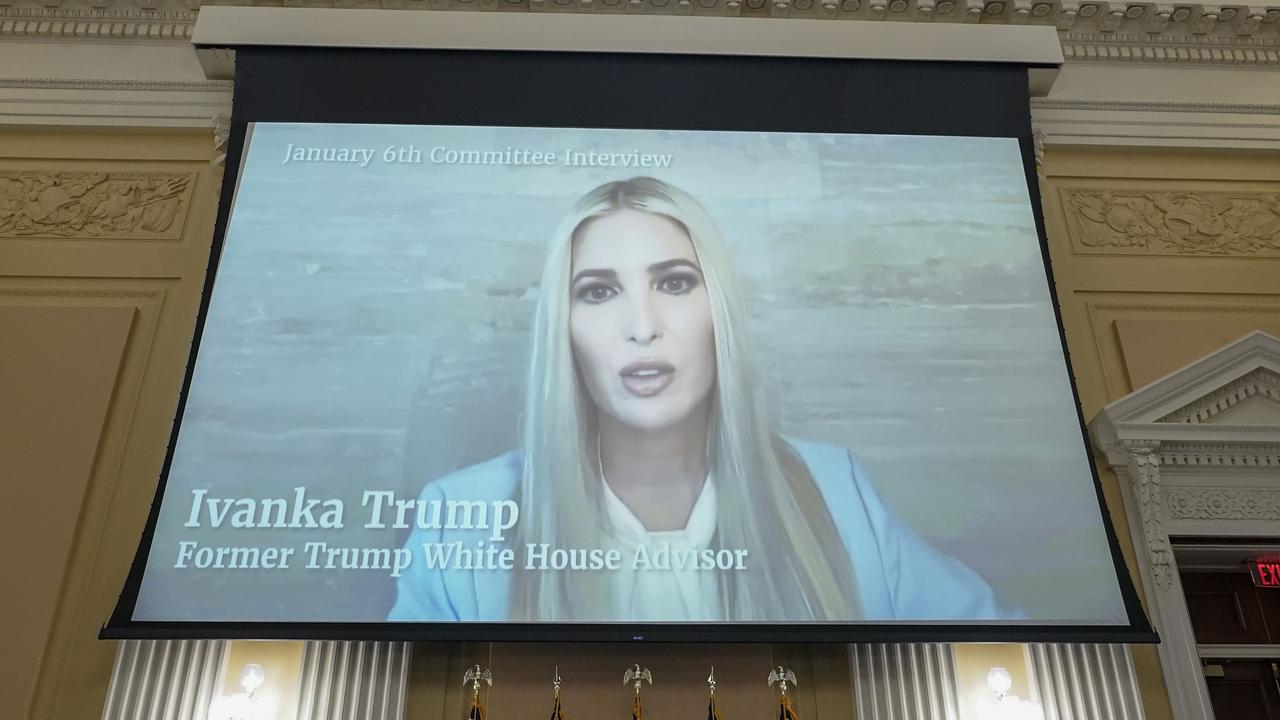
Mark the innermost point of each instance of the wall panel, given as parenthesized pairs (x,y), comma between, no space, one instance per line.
(116,224)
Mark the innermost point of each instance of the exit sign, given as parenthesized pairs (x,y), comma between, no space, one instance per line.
(1266,573)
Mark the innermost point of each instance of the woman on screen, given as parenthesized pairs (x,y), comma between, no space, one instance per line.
(642,434)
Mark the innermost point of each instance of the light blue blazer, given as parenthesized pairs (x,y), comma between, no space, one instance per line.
(899,575)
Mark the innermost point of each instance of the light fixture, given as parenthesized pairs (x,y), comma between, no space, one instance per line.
(1006,706)
(1000,681)
(251,678)
(241,705)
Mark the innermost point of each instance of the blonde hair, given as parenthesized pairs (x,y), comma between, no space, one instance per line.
(768,503)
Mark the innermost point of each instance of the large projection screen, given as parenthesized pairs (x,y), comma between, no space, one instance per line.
(466,375)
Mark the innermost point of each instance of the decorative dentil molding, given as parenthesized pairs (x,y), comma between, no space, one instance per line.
(1220,455)
(1144,472)
(113,205)
(1106,221)
(1086,104)
(1259,383)
(1144,32)
(1223,503)
(108,84)
(101,20)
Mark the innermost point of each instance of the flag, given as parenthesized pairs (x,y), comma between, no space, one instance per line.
(555,710)
(785,711)
(637,712)
(712,713)
(477,709)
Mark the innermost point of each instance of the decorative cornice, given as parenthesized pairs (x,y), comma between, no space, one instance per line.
(49,21)
(1090,31)
(31,83)
(1153,106)
(1259,383)
(1171,47)
(1244,456)
(1223,504)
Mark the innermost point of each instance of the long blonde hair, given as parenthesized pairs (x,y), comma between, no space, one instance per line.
(768,503)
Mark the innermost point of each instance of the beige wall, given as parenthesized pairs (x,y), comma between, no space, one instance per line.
(104,237)
(1159,257)
(99,286)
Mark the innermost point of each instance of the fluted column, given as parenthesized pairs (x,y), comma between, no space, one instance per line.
(164,679)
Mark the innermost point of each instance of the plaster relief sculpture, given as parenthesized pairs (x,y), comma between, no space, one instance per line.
(1181,223)
(1223,504)
(1144,468)
(142,206)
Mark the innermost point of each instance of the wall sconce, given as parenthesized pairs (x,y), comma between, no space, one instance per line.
(251,678)
(241,705)
(1000,681)
(1006,706)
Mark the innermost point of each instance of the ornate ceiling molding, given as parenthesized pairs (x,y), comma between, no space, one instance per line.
(197,86)
(1091,31)
(1096,37)
(97,20)
(1152,106)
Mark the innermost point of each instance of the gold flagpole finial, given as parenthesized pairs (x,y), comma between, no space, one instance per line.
(475,676)
(782,676)
(711,681)
(556,683)
(636,674)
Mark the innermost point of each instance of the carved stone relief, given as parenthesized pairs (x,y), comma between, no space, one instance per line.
(1144,471)
(114,205)
(1223,504)
(1177,223)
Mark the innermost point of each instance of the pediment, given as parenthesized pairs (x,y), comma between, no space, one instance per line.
(1230,394)
(1251,400)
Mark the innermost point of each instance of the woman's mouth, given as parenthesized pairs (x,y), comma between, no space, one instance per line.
(647,377)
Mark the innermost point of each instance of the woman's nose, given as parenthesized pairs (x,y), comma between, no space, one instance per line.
(644,325)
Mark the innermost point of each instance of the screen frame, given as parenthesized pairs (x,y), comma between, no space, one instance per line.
(260,99)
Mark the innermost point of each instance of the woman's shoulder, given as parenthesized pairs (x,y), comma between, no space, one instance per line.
(883,547)
(831,466)
(492,479)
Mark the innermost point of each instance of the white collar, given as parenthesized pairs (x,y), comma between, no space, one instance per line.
(698,531)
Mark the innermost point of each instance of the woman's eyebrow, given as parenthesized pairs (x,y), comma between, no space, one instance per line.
(674,262)
(591,272)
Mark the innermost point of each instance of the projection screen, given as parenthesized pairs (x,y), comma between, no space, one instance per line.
(657,382)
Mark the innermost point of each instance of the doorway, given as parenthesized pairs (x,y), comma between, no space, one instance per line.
(1236,625)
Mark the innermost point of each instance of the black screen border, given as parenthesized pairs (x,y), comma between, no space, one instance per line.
(366,86)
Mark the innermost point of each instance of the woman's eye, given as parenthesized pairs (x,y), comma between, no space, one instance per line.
(596,293)
(677,284)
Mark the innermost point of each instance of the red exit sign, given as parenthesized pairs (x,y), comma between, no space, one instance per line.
(1266,573)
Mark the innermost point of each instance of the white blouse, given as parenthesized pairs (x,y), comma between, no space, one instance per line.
(648,594)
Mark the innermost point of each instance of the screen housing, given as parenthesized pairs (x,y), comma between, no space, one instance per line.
(623,91)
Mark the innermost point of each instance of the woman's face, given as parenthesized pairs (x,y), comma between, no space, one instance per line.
(639,319)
